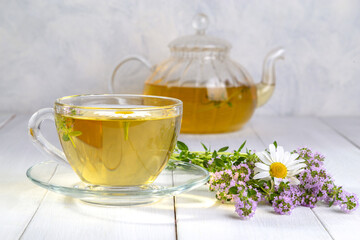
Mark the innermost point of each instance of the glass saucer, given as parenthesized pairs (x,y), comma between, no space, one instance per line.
(172,181)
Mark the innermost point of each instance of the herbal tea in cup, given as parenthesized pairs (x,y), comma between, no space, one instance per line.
(112,140)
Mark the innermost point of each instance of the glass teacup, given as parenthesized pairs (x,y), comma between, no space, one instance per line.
(115,140)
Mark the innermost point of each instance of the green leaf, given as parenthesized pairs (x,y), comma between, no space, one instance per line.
(75,133)
(253,183)
(204,146)
(251,192)
(219,163)
(281,186)
(229,104)
(233,190)
(65,137)
(182,146)
(275,144)
(223,149)
(214,155)
(331,203)
(262,183)
(242,146)
(272,196)
(239,160)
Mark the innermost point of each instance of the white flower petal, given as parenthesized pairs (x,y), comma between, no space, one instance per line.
(280,154)
(296,166)
(262,166)
(286,157)
(299,160)
(262,175)
(279,180)
(272,147)
(263,157)
(257,170)
(295,172)
(293,157)
(267,156)
(294,163)
(294,181)
(272,150)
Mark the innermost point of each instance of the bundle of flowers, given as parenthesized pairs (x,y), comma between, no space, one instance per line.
(283,179)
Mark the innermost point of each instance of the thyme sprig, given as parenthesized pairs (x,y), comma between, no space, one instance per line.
(232,178)
(220,158)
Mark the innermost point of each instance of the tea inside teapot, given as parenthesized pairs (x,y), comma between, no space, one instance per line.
(210,109)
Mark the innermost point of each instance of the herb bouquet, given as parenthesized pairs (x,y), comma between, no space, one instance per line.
(283,179)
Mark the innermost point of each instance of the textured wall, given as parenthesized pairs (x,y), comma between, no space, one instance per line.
(49,49)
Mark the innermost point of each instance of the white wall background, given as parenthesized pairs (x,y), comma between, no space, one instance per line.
(50,49)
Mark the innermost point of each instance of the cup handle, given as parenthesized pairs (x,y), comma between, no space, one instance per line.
(39,140)
(122,62)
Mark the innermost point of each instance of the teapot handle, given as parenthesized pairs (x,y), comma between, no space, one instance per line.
(122,62)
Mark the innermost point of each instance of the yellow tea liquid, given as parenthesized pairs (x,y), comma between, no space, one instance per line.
(117,152)
(210,110)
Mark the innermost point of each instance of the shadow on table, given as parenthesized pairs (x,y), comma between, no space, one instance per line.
(158,213)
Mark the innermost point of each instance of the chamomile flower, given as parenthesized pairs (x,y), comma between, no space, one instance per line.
(280,165)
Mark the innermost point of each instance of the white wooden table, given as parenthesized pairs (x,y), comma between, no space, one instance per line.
(30,212)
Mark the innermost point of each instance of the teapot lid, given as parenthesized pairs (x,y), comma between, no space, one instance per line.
(199,41)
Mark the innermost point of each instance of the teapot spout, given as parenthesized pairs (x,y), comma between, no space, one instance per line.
(266,87)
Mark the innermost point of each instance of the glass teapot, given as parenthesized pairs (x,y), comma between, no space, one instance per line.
(218,94)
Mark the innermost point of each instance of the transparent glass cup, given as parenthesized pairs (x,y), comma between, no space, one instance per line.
(112,140)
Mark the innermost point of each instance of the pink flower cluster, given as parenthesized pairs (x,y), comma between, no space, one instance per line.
(245,207)
(230,186)
(315,185)
(222,181)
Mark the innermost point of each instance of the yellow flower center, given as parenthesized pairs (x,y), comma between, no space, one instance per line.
(278,170)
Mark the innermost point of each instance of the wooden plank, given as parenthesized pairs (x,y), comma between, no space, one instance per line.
(60,217)
(200,216)
(19,198)
(65,218)
(5,118)
(348,127)
(342,162)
